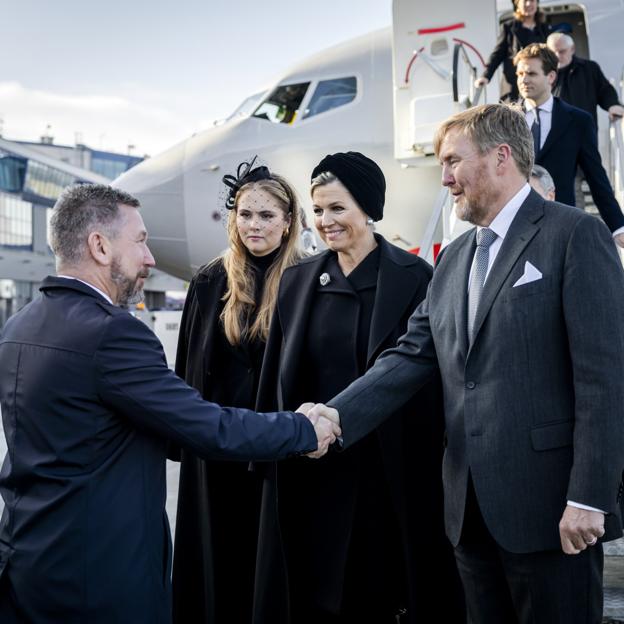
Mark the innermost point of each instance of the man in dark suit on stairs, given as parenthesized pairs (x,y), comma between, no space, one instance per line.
(524,319)
(564,136)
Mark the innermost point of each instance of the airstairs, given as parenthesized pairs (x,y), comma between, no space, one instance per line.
(437,56)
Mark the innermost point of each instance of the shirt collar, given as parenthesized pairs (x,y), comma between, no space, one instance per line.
(97,290)
(546,107)
(502,221)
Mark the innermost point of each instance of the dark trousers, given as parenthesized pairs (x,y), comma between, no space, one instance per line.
(546,587)
(8,608)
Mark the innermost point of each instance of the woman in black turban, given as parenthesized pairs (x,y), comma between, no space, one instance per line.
(357,536)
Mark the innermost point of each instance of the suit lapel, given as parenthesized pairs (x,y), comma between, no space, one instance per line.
(396,285)
(522,229)
(560,120)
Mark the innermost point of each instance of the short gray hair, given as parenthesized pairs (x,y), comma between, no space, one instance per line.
(544,178)
(490,125)
(326,177)
(556,36)
(80,210)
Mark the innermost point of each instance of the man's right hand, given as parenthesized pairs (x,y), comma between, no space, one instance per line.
(327,426)
(481,82)
(326,412)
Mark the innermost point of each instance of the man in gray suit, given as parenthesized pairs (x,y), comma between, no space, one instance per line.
(524,319)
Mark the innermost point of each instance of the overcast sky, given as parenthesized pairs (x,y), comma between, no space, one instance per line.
(151,73)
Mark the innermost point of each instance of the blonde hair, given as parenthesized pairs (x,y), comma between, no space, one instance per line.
(239,297)
(326,177)
(489,125)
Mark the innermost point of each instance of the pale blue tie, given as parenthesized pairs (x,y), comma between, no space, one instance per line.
(485,237)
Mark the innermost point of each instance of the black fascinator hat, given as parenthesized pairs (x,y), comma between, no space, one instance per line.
(245,173)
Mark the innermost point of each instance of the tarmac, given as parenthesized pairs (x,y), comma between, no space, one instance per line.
(614,551)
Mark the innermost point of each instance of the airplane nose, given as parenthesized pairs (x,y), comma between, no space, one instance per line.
(158,183)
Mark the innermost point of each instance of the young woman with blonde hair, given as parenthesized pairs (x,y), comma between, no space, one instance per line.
(223,333)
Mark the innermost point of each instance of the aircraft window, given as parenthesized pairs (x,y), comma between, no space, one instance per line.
(248,106)
(331,94)
(283,103)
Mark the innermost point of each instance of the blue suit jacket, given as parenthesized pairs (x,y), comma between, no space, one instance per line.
(572,142)
(88,405)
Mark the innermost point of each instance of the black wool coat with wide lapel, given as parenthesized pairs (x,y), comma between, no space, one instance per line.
(411,448)
(195,564)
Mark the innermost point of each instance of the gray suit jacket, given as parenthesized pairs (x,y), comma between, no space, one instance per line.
(533,407)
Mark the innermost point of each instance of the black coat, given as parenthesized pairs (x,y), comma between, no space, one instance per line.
(88,404)
(582,84)
(218,502)
(409,460)
(513,37)
(572,143)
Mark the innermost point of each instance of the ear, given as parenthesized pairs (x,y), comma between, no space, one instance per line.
(503,157)
(100,248)
(551,77)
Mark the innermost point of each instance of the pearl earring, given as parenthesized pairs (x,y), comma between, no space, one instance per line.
(369,221)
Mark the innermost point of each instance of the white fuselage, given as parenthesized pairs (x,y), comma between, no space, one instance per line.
(181,190)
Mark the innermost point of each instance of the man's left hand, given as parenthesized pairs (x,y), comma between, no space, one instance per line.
(619,239)
(580,528)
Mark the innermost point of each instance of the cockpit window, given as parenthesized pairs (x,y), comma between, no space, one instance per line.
(331,94)
(282,104)
(248,105)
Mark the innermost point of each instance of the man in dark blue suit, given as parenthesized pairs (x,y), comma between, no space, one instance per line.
(88,405)
(564,136)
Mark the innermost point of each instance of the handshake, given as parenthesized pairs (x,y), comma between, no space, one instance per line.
(326,425)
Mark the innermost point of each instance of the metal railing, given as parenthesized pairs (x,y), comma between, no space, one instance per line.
(426,245)
(474,93)
(616,151)
(616,157)
(473,98)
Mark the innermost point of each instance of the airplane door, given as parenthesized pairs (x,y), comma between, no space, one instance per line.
(436,44)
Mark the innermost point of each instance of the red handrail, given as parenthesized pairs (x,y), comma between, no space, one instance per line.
(409,65)
(432,31)
(471,47)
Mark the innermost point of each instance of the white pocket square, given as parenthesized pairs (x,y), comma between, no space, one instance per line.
(531,274)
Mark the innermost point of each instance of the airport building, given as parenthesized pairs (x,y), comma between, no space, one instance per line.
(32,175)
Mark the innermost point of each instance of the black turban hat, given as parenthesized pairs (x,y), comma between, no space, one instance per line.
(361,176)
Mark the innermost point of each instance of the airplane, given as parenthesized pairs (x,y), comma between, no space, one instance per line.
(382,94)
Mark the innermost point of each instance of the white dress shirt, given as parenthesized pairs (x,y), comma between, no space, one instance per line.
(545,117)
(500,226)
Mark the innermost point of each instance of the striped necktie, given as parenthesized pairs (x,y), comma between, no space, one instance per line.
(485,237)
